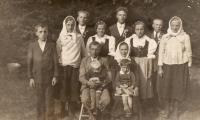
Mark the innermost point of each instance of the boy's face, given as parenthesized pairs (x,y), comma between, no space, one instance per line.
(82,18)
(157,25)
(96,69)
(70,26)
(125,69)
(121,17)
(139,30)
(42,33)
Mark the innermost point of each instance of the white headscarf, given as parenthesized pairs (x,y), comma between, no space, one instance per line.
(118,55)
(180,31)
(65,36)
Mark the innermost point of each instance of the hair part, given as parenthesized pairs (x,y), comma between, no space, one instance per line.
(125,62)
(157,19)
(123,43)
(83,11)
(42,25)
(122,9)
(139,23)
(69,19)
(100,23)
(95,43)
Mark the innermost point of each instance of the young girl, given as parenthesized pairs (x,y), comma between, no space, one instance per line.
(142,51)
(175,58)
(70,48)
(125,81)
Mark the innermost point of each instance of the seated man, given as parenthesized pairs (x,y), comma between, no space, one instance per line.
(84,68)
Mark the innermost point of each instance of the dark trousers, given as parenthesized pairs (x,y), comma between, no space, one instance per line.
(45,101)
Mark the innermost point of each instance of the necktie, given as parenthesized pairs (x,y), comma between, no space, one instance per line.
(156,37)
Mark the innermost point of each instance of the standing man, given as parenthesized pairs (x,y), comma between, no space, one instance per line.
(120,30)
(82,28)
(42,61)
(157,36)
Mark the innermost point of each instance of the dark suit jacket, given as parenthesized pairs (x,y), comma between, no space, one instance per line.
(155,62)
(113,31)
(89,32)
(42,65)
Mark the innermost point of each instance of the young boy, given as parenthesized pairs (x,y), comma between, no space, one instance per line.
(82,28)
(42,61)
(97,74)
(120,30)
(125,81)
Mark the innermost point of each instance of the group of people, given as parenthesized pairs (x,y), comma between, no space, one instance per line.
(121,68)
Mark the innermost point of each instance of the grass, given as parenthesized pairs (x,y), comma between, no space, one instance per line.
(18,99)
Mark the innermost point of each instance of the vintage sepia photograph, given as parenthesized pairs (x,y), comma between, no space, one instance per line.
(99,60)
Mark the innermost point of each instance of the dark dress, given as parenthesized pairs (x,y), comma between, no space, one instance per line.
(118,107)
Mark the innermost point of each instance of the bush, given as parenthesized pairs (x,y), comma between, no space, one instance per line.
(19,17)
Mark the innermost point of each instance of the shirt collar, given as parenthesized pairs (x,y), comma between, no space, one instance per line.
(82,27)
(121,72)
(40,41)
(94,58)
(119,25)
(154,32)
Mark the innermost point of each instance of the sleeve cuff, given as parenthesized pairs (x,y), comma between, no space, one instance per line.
(151,56)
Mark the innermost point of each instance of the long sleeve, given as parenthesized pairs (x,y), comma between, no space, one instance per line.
(111,46)
(134,82)
(82,72)
(59,49)
(55,58)
(87,46)
(117,83)
(161,52)
(83,49)
(151,49)
(30,62)
(188,48)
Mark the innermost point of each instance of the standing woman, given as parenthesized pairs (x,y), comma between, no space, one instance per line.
(71,49)
(175,58)
(107,42)
(142,51)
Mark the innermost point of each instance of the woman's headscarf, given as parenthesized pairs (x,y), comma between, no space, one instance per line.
(65,36)
(180,31)
(118,55)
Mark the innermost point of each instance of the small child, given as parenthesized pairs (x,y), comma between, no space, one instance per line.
(96,74)
(125,83)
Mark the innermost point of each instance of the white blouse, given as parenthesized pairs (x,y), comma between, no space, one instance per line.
(102,41)
(141,42)
(175,50)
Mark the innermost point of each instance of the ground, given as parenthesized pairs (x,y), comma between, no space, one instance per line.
(18,100)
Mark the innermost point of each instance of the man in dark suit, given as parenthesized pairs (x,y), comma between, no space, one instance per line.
(82,28)
(42,61)
(120,30)
(156,34)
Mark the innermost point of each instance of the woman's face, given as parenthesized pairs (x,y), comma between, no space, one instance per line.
(175,26)
(70,26)
(123,49)
(100,30)
(139,30)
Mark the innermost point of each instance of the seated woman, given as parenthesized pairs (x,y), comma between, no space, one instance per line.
(70,48)
(118,111)
(142,51)
(107,42)
(175,58)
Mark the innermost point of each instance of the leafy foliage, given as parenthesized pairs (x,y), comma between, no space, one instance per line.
(19,17)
